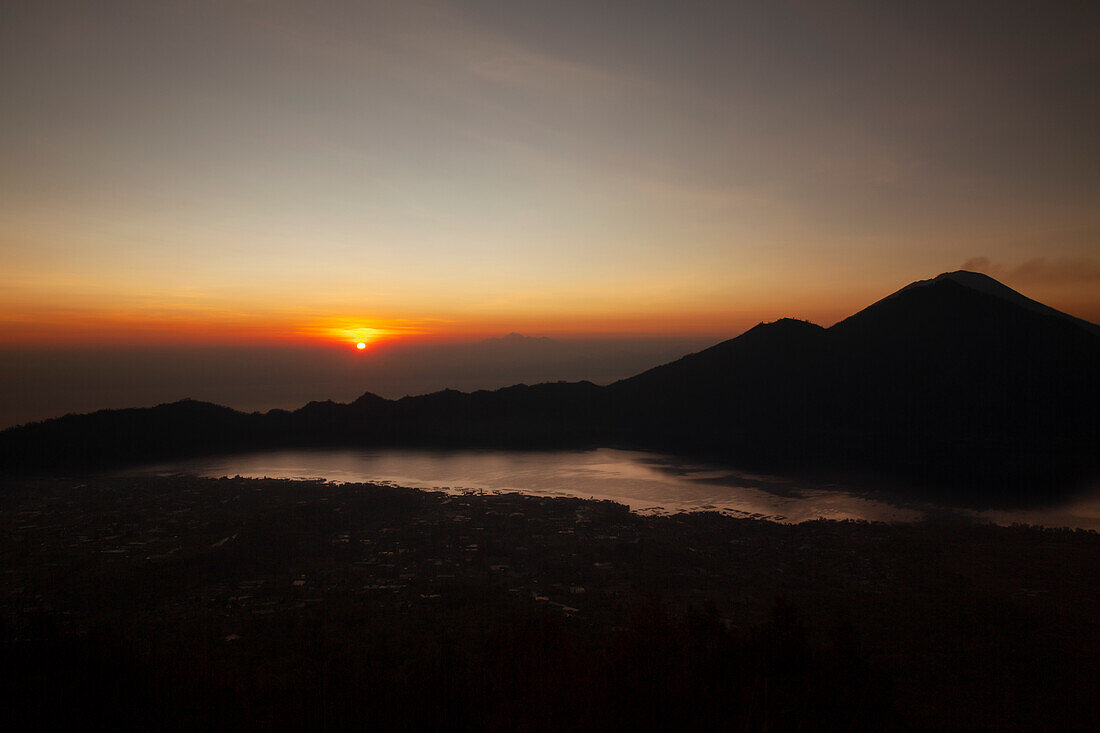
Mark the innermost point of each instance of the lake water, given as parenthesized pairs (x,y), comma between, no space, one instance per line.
(646,482)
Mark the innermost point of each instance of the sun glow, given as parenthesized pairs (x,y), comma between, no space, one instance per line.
(362,336)
(358,336)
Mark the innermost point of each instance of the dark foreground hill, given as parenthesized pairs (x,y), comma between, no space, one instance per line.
(957,380)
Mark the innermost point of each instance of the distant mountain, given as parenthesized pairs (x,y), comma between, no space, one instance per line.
(957,380)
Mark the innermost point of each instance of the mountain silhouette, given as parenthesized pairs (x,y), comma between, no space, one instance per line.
(985,284)
(956,381)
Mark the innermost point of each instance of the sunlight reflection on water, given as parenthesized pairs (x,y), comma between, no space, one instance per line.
(646,482)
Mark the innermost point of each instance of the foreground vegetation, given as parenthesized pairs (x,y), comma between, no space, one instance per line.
(183,603)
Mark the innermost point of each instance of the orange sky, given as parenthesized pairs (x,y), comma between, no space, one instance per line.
(81,325)
(289,173)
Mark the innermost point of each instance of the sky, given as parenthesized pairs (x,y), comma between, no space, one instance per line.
(204,175)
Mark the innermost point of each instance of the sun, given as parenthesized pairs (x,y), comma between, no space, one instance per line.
(360,346)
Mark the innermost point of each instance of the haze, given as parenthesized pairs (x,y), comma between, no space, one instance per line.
(41,383)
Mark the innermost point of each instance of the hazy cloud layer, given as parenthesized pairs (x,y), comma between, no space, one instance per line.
(1040,270)
(48,382)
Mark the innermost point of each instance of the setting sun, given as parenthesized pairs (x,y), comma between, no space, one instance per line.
(346,332)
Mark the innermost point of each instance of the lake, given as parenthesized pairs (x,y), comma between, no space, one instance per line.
(648,483)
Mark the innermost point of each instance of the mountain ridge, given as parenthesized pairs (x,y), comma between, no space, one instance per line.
(941,380)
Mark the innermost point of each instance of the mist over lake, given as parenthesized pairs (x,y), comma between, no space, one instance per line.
(645,482)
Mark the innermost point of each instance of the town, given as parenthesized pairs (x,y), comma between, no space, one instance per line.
(245,587)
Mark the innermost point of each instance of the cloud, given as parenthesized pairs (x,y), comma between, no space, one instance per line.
(1040,270)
